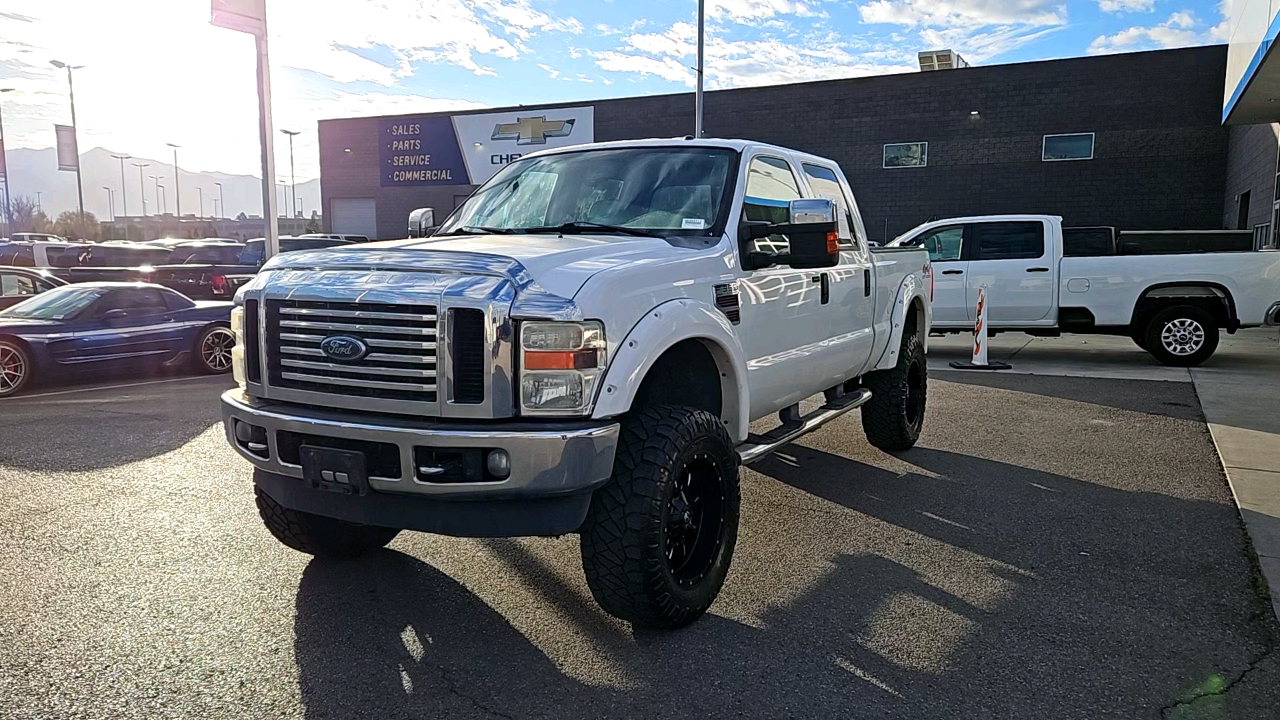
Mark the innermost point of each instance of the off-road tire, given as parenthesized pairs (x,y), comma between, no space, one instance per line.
(318,535)
(18,369)
(626,534)
(894,416)
(1190,317)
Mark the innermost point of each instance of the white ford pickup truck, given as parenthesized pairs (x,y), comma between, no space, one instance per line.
(581,347)
(1172,305)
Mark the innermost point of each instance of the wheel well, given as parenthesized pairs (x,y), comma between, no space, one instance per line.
(686,374)
(915,318)
(17,341)
(1210,297)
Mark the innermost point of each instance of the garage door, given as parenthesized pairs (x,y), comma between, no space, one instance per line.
(354,216)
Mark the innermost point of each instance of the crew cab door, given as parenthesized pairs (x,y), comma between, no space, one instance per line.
(946,246)
(847,301)
(781,311)
(1012,259)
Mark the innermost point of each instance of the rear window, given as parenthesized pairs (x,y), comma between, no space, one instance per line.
(221,255)
(1009,240)
(1088,242)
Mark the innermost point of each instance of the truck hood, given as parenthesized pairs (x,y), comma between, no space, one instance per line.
(559,264)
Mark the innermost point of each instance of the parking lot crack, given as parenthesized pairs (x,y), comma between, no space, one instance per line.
(1214,686)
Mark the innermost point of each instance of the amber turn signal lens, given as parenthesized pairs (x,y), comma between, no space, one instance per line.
(552,360)
(833,242)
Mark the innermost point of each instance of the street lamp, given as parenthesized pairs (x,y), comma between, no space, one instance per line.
(177,189)
(293,179)
(72,93)
(222,200)
(111,200)
(156,179)
(142,187)
(164,199)
(124,194)
(8,209)
(200,194)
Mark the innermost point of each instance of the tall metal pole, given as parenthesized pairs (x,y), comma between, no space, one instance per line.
(124,194)
(293,179)
(111,201)
(177,189)
(8,209)
(75,132)
(697,96)
(222,200)
(268,148)
(142,186)
(200,193)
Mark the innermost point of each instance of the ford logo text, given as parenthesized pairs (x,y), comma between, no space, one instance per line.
(343,348)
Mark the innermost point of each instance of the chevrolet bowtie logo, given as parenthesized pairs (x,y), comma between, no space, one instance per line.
(532,130)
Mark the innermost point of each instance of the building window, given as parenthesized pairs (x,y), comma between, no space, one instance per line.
(913,154)
(1242,211)
(1075,146)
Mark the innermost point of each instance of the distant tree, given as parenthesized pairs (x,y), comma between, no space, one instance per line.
(69,225)
(40,223)
(24,213)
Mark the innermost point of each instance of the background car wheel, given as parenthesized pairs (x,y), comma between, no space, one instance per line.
(1182,336)
(318,535)
(15,368)
(894,417)
(213,350)
(659,536)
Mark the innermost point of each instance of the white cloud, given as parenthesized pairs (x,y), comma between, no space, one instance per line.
(1178,30)
(964,13)
(746,10)
(668,55)
(1126,5)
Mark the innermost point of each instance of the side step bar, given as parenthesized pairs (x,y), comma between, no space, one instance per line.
(758,447)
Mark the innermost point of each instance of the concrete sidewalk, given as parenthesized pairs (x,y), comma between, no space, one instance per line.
(1239,393)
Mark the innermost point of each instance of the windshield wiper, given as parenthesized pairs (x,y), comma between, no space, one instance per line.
(477,230)
(579,226)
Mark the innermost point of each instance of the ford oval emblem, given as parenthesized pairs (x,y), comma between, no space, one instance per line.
(343,348)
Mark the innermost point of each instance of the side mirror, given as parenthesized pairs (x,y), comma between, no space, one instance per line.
(420,221)
(812,232)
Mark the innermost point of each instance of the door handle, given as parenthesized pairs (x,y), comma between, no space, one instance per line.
(1037,269)
(952,272)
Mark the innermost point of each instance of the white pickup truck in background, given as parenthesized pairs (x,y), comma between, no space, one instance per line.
(1173,305)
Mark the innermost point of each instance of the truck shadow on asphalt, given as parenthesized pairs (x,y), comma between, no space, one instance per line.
(1155,397)
(1120,602)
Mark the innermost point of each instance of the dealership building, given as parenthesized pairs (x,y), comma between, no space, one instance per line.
(1133,140)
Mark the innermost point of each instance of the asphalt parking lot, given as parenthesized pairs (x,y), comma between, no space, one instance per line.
(1055,547)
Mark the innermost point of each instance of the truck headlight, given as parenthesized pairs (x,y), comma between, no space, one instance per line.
(237,352)
(560,365)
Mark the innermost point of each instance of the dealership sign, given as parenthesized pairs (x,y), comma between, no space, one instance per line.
(469,149)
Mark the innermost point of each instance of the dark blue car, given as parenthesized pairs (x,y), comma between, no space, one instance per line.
(101,327)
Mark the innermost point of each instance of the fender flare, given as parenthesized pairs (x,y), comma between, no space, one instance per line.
(908,292)
(662,327)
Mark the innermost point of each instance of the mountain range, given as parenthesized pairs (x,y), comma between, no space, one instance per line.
(34,171)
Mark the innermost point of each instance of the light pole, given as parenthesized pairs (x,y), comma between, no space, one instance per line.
(71,90)
(200,194)
(177,189)
(124,194)
(293,179)
(222,200)
(8,209)
(156,179)
(164,199)
(39,207)
(697,97)
(142,186)
(111,200)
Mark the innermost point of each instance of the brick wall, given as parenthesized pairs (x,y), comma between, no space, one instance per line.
(1160,152)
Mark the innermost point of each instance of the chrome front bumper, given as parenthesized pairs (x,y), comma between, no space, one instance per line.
(547,459)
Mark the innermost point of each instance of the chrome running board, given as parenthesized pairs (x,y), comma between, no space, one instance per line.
(757,447)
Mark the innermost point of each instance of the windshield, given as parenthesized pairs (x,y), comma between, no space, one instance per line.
(57,304)
(672,190)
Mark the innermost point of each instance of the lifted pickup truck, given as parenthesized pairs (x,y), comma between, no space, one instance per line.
(581,348)
(1173,305)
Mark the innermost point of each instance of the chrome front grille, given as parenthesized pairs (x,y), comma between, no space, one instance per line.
(402,341)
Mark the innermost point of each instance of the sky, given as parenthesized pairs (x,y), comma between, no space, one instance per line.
(156,71)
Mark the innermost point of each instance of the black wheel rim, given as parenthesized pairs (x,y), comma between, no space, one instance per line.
(915,392)
(694,520)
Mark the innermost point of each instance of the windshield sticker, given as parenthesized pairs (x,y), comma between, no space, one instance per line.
(693,224)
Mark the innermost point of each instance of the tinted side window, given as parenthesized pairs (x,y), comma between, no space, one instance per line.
(174,301)
(825,184)
(17,285)
(944,243)
(771,186)
(1009,240)
(139,301)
